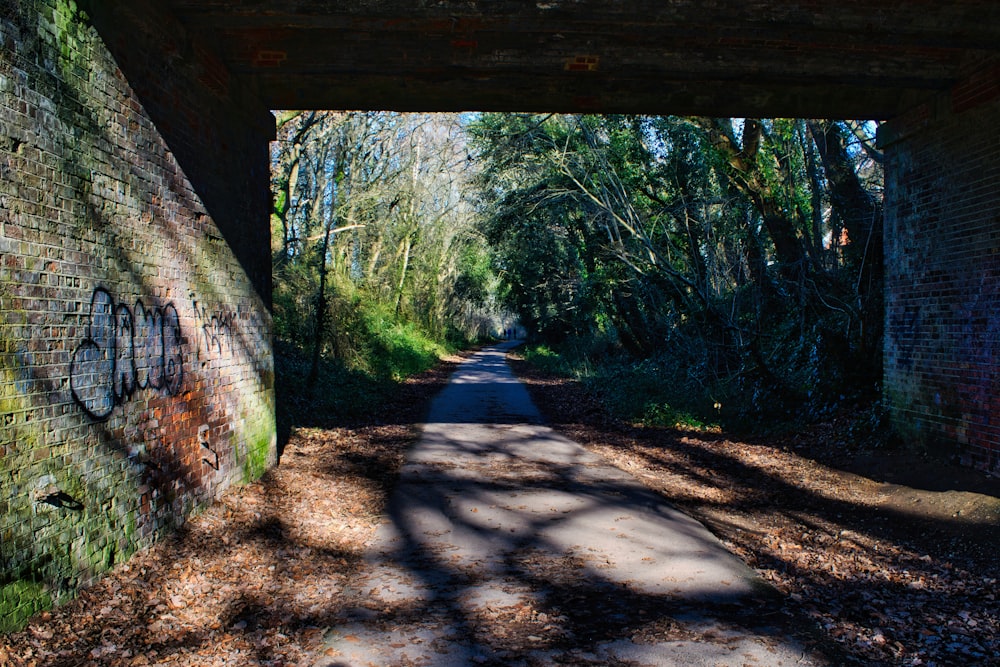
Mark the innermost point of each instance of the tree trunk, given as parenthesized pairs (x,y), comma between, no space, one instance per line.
(862,216)
(408,244)
(817,189)
(321,302)
(746,176)
(321,306)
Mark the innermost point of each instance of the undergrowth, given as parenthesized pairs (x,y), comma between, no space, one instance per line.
(341,395)
(632,391)
(667,390)
(371,350)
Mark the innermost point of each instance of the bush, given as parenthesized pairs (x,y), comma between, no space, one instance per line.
(396,348)
(369,349)
(693,381)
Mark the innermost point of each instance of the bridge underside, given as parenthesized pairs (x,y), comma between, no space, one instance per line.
(847,59)
(933,68)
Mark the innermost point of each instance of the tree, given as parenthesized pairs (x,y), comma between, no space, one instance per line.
(371,226)
(712,238)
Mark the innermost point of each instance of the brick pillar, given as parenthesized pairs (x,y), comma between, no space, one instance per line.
(942,244)
(136,369)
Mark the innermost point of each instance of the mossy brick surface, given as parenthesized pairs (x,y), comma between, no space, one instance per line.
(129,325)
(942,245)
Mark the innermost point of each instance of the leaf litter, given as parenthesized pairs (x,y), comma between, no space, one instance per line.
(255,579)
(889,557)
(873,568)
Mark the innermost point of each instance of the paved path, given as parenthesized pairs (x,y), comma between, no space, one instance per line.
(510,545)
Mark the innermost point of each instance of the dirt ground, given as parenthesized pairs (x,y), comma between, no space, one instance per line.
(891,557)
(258,577)
(882,558)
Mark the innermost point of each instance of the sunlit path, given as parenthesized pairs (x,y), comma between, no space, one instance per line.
(509,544)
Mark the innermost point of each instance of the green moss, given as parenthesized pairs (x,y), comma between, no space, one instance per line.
(70,28)
(19,601)
(903,426)
(49,550)
(260,438)
(259,433)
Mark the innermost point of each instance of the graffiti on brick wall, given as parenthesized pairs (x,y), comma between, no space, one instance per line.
(905,326)
(215,329)
(209,455)
(126,349)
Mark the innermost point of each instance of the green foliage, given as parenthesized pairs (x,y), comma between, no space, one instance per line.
(378,268)
(395,349)
(476,283)
(341,395)
(349,390)
(641,393)
(369,349)
(293,300)
(547,359)
(367,335)
(663,414)
(684,266)
(690,269)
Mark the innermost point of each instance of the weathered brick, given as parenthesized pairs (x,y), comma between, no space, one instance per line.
(943,272)
(110,264)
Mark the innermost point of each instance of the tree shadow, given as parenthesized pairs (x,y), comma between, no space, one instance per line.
(584,608)
(911,572)
(525,597)
(345,397)
(488,542)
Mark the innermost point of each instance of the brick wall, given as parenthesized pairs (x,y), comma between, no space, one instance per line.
(136,371)
(942,378)
(216,129)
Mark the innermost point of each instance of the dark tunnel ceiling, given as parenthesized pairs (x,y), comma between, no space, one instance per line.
(850,58)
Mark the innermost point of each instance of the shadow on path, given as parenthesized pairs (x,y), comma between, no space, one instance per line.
(509,544)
